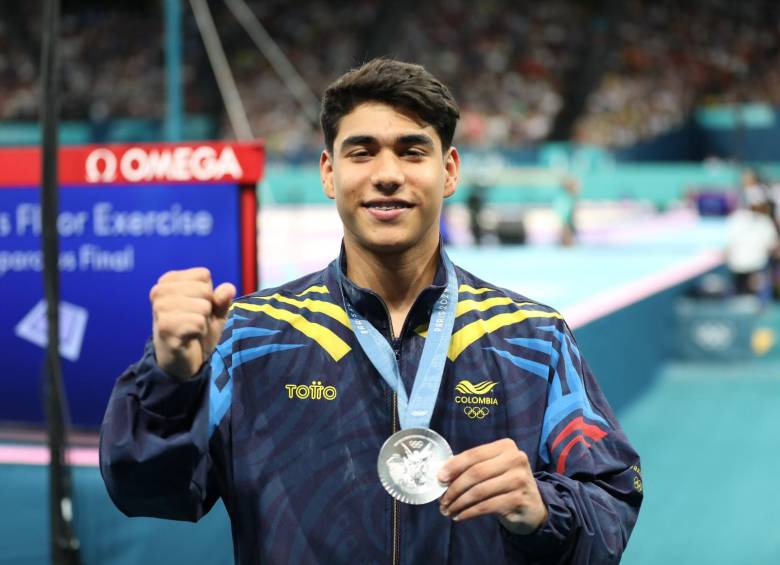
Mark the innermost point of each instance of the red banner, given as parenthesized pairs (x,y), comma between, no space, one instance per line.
(204,161)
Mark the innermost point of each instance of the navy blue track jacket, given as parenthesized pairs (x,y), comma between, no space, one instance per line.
(286,421)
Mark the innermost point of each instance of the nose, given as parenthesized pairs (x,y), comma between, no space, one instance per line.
(387,175)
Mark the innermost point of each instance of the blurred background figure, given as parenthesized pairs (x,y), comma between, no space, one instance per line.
(475,202)
(565,205)
(752,242)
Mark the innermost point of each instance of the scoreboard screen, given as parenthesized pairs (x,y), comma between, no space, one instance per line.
(116,239)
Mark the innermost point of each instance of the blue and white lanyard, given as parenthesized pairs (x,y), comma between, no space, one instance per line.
(414,412)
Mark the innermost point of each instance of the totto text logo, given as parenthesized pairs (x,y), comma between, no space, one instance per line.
(314,391)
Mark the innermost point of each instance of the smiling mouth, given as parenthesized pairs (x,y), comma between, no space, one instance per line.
(387,205)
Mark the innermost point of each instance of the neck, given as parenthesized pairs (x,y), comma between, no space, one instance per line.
(398,278)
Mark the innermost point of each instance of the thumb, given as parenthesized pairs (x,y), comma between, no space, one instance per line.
(223,296)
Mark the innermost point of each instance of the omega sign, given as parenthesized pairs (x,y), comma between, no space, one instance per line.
(202,163)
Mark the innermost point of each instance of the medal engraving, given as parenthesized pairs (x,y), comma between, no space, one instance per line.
(408,463)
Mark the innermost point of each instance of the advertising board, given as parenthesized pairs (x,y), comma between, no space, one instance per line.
(121,226)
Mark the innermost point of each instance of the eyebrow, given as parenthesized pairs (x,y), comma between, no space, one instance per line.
(415,139)
(407,139)
(355,140)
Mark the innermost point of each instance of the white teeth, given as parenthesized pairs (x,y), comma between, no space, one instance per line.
(387,206)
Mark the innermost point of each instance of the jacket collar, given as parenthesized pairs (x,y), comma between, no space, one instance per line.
(369,304)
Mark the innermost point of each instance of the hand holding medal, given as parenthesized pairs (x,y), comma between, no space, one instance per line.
(494,478)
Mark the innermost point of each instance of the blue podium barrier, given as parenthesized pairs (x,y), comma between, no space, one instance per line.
(720,328)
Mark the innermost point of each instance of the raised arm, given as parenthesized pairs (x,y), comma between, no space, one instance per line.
(154,444)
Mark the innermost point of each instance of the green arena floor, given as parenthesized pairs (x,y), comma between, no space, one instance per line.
(709,437)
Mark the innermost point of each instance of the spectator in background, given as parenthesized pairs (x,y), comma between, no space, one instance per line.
(752,241)
(565,205)
(475,202)
(755,188)
(772,190)
(751,187)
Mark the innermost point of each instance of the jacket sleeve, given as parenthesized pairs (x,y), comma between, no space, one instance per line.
(155,441)
(588,474)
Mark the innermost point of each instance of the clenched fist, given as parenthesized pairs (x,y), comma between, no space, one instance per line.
(189,315)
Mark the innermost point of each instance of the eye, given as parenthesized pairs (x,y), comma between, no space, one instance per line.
(359,154)
(414,153)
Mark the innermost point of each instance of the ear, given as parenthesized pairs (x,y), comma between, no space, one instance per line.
(451,171)
(326,175)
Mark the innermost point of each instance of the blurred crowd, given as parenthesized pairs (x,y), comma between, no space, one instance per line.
(512,63)
(504,64)
(671,57)
(112,64)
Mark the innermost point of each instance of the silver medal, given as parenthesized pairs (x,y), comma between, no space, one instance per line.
(408,463)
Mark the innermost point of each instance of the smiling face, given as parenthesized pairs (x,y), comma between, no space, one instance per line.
(389,176)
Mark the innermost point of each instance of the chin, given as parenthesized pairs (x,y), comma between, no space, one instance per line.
(388,247)
(392,241)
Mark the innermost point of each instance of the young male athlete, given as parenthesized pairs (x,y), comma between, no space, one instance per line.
(282,402)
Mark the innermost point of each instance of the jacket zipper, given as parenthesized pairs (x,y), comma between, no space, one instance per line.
(396,506)
(396,555)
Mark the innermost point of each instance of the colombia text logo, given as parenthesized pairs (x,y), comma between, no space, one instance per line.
(470,393)
(474,393)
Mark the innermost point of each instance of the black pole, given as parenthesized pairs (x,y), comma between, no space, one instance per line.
(64,544)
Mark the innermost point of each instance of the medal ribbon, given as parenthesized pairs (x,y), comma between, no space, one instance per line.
(414,411)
